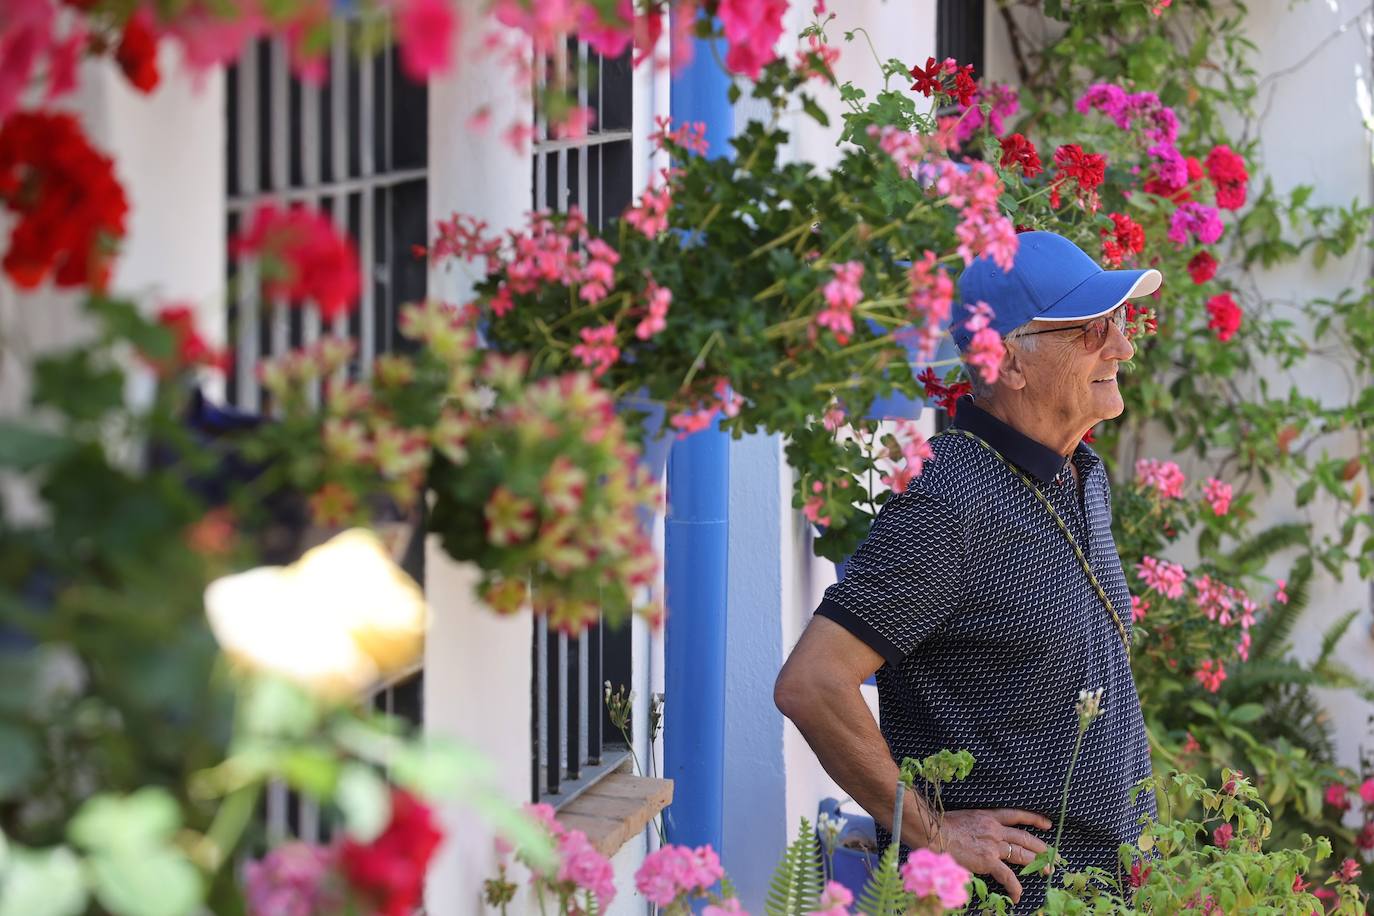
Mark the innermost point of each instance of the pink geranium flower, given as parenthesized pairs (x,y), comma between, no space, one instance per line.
(1162,576)
(936,874)
(835,901)
(426,31)
(581,864)
(842,293)
(659,299)
(1336,796)
(598,349)
(1367,792)
(1218,495)
(672,871)
(1164,476)
(752,28)
(1210,675)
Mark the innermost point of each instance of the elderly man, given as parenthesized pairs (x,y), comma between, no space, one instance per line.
(990,593)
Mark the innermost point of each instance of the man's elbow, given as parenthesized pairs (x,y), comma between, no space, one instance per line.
(789,693)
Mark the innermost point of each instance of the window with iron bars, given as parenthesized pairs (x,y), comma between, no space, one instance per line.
(573,741)
(356,148)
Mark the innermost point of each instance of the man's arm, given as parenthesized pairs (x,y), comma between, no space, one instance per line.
(819,690)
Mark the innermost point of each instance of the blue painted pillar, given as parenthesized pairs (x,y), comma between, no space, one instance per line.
(696,544)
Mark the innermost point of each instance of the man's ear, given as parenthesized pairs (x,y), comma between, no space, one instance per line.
(1011,374)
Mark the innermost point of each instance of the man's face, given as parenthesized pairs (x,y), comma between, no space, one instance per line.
(1072,378)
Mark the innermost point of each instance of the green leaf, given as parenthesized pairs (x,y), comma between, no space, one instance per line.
(440,768)
(816,112)
(133,823)
(1246,712)
(273,706)
(19,759)
(158,882)
(796,886)
(45,882)
(363,798)
(24,447)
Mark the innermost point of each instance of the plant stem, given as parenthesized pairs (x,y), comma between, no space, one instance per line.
(783,239)
(231,818)
(701,359)
(897,813)
(1068,778)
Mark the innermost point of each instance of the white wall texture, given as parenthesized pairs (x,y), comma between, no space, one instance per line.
(1314,125)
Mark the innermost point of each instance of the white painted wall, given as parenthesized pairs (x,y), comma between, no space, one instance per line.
(477,665)
(1313,61)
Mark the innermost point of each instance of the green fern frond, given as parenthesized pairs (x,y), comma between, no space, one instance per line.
(1271,634)
(1267,543)
(797,882)
(884,895)
(1333,635)
(1243,679)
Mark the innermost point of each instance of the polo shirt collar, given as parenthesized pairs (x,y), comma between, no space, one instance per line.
(1037,459)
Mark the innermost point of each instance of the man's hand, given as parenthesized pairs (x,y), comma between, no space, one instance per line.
(991,843)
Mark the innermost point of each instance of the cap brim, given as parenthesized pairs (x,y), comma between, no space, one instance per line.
(1102,293)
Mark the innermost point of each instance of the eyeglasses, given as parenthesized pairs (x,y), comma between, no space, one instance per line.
(1094,332)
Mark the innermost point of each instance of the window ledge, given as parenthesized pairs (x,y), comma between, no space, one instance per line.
(619,806)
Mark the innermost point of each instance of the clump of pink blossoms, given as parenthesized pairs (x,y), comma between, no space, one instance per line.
(936,874)
(672,871)
(1164,476)
(842,293)
(1218,495)
(985,351)
(1162,576)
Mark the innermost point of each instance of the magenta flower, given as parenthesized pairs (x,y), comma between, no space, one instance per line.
(1199,220)
(1223,835)
(728,907)
(928,873)
(1336,796)
(1367,792)
(292,880)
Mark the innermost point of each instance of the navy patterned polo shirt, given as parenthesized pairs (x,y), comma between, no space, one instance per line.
(990,627)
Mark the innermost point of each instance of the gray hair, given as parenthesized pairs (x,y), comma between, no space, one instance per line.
(981,389)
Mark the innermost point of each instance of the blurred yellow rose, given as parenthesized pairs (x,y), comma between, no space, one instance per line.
(336,621)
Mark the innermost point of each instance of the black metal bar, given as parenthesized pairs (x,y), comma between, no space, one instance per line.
(595,701)
(553,770)
(535,662)
(574,688)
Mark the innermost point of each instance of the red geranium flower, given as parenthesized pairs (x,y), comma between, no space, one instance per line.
(1178,195)
(946,397)
(1225,314)
(137,52)
(964,85)
(302,256)
(1140,319)
(192,350)
(1126,239)
(70,206)
(1087,170)
(1017,150)
(1227,172)
(390,870)
(927,78)
(1202,267)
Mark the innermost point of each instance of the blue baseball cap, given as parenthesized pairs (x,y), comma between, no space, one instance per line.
(1052,279)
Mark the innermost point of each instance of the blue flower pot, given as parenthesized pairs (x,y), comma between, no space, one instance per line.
(850,867)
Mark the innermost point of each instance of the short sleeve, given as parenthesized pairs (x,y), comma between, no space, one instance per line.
(906,578)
